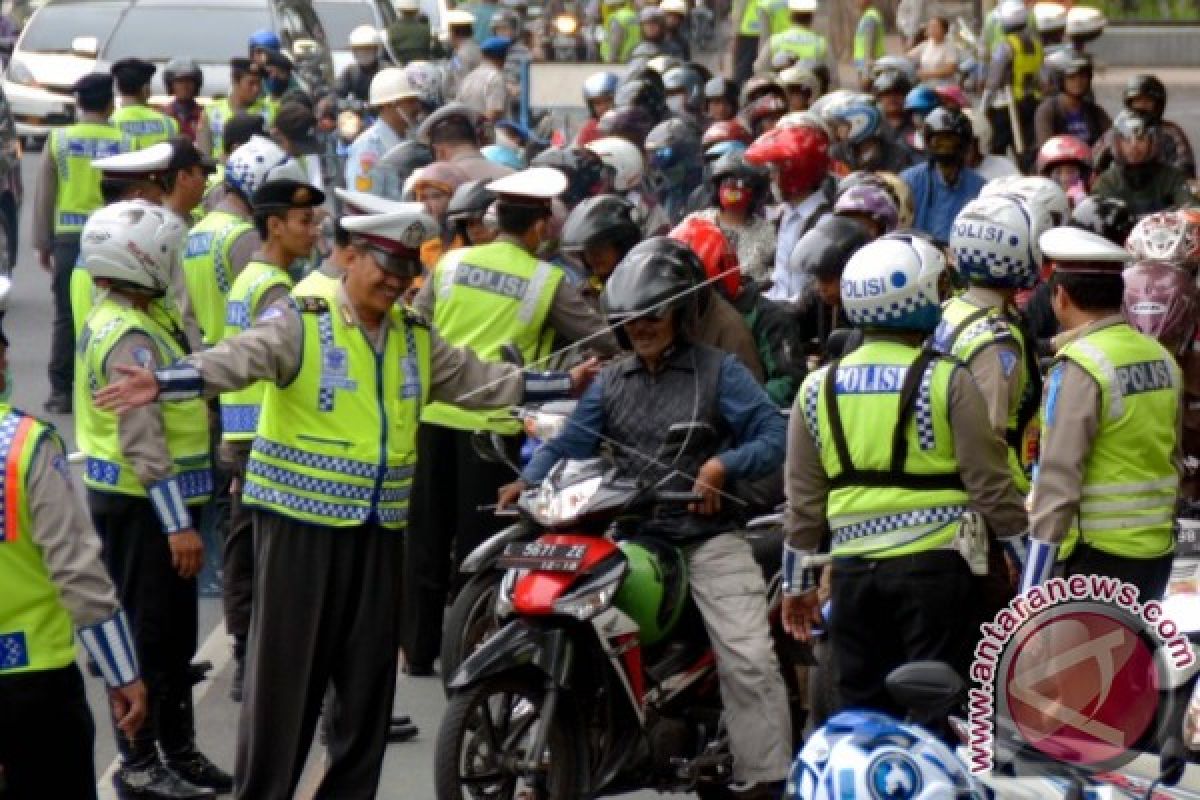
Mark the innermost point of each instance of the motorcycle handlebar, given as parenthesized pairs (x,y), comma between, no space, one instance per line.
(678,498)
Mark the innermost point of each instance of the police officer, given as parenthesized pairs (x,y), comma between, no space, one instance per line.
(245,97)
(891,448)
(68,190)
(464,49)
(54,583)
(346,378)
(141,125)
(869,44)
(756,21)
(144,471)
(482,298)
(1103,499)
(410,36)
(622,32)
(798,40)
(1012,89)
(453,133)
(397,104)
(483,89)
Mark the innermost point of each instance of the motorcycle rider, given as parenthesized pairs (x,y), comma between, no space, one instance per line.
(653,24)
(1103,499)
(720,99)
(944,184)
(870,145)
(675,18)
(870,205)
(184,79)
(673,152)
(742,190)
(599,89)
(598,233)
(1067,161)
(397,104)
(820,256)
(633,403)
(890,89)
(1147,95)
(893,502)
(1071,110)
(355,81)
(1138,175)
(1012,81)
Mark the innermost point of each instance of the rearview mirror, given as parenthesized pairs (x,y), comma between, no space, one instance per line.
(1172,762)
(305,48)
(85,46)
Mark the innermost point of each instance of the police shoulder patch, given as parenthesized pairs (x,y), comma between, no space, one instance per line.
(1008,361)
(144,358)
(310,305)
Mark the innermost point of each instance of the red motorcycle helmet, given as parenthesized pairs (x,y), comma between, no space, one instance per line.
(716,254)
(800,157)
(1160,301)
(1061,150)
(728,130)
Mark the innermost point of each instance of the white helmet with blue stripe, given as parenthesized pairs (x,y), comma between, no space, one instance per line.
(256,162)
(893,283)
(994,243)
(863,754)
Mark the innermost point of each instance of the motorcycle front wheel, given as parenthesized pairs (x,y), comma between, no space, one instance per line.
(470,620)
(488,731)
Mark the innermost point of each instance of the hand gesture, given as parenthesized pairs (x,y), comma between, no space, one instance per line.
(138,388)
(507,495)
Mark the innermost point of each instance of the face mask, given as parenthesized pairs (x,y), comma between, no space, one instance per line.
(676,103)
(365,59)
(732,198)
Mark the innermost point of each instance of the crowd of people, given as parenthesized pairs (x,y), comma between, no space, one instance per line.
(971,312)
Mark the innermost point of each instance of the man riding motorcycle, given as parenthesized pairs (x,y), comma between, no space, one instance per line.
(665,381)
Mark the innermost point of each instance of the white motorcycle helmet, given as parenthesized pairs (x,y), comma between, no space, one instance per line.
(624,158)
(1049,17)
(132,243)
(1013,15)
(256,162)
(994,244)
(1044,200)
(893,283)
(365,36)
(804,119)
(864,754)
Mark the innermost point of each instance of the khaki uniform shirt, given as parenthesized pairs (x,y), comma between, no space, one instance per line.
(484,91)
(1001,388)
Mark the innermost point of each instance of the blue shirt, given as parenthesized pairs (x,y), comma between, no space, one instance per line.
(794,221)
(759,430)
(937,204)
(362,163)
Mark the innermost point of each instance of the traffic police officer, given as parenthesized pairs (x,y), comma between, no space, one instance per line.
(1013,85)
(799,41)
(869,42)
(1103,499)
(622,31)
(397,103)
(54,581)
(483,298)
(758,20)
(141,125)
(346,379)
(245,90)
(144,470)
(68,190)
(893,502)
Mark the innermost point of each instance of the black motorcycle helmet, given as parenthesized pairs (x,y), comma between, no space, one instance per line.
(673,143)
(648,94)
(655,277)
(183,68)
(470,201)
(1147,86)
(1109,217)
(823,251)
(407,157)
(631,124)
(1071,62)
(583,168)
(891,81)
(940,125)
(755,178)
(607,217)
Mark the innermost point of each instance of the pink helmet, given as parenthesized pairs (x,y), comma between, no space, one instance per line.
(1064,149)
(1160,301)
(1172,236)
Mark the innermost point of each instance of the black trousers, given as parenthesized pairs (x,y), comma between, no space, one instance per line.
(162,613)
(62,341)
(451,481)
(46,737)
(745,52)
(326,611)
(1150,575)
(1002,132)
(237,558)
(890,611)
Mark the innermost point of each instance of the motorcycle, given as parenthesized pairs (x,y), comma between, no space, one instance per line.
(567,42)
(602,679)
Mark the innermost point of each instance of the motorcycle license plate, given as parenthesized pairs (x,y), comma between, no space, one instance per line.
(543,557)
(1188,541)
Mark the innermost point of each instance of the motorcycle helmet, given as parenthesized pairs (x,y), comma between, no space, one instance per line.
(663,63)
(583,168)
(1066,63)
(764,110)
(657,276)
(250,166)
(759,85)
(1172,236)
(470,200)
(716,254)
(607,217)
(804,119)
(183,68)
(630,124)
(730,130)
(406,158)
(440,175)
(899,65)
(426,80)
(946,134)
(921,100)
(1044,200)
(504,156)
(863,120)
(1151,87)
(994,244)
(597,85)
(781,60)
(654,591)
(671,144)
(799,156)
(892,283)
(1109,217)
(953,97)
(722,149)
(748,177)
(823,251)
(1049,18)
(1131,125)
(132,244)
(1160,301)
(891,82)
(263,39)
(648,95)
(1013,15)
(1060,151)
(687,81)
(905,209)
(870,200)
(802,79)
(644,53)
(623,158)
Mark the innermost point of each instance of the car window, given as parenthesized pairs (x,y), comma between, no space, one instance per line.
(297,21)
(160,33)
(341,18)
(53,27)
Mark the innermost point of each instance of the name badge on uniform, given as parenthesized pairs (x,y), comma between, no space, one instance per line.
(14,653)
(412,378)
(335,369)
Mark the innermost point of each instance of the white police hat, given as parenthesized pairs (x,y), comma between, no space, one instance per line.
(355,203)
(139,162)
(395,237)
(535,186)
(1077,250)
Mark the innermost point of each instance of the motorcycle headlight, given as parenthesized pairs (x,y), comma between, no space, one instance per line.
(594,594)
(566,24)
(18,72)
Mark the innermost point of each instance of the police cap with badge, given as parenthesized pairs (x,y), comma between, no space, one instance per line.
(356,203)
(1077,251)
(534,189)
(394,238)
(284,194)
(496,47)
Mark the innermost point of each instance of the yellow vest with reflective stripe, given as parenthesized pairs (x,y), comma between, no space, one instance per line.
(751,24)
(882,518)
(489,296)
(185,424)
(337,445)
(35,632)
(207,271)
(628,20)
(801,43)
(779,17)
(73,148)
(143,126)
(860,38)
(240,409)
(1130,483)
(316,284)
(1026,66)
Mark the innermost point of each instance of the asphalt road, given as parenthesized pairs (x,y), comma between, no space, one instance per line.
(407,770)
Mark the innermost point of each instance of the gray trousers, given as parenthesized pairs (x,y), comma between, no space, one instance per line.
(729,591)
(326,611)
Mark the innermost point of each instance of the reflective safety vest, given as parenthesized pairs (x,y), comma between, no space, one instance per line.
(1026,66)
(316,284)
(73,148)
(627,18)
(801,43)
(1130,483)
(896,494)
(967,329)
(779,16)
(222,111)
(185,424)
(240,409)
(35,632)
(879,50)
(489,296)
(337,445)
(142,126)
(207,271)
(82,292)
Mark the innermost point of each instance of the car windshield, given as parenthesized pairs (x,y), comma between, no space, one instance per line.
(52,30)
(160,33)
(339,19)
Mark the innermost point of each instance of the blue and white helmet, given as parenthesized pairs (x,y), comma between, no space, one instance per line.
(893,283)
(994,243)
(600,84)
(864,754)
(256,162)
(863,119)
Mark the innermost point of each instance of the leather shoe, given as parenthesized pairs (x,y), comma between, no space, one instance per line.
(194,767)
(155,781)
(401,729)
(58,404)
